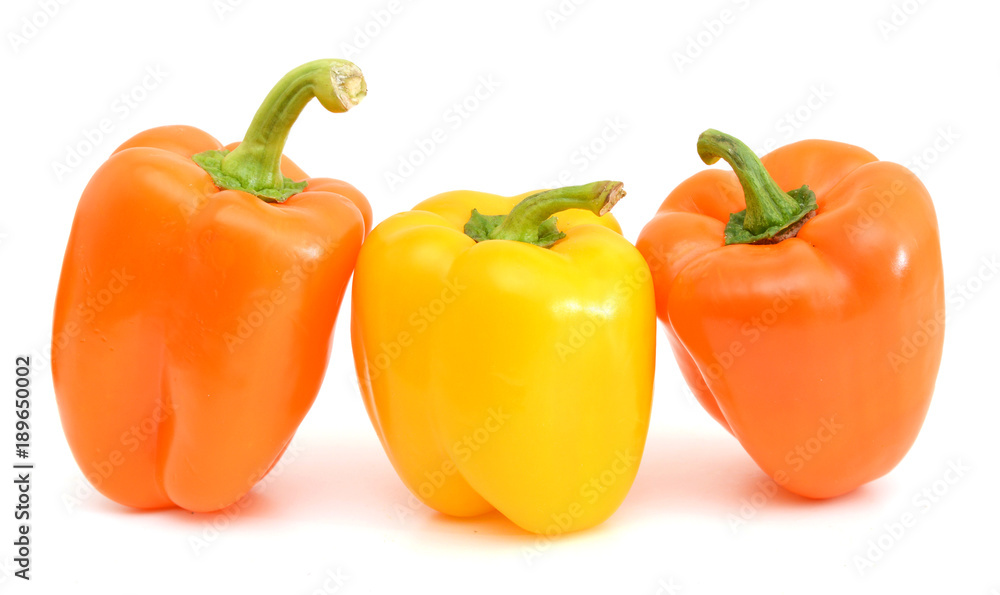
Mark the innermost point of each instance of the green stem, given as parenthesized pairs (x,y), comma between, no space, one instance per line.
(769,209)
(255,165)
(530,220)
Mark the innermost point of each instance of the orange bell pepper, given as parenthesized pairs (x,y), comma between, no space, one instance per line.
(197,301)
(810,324)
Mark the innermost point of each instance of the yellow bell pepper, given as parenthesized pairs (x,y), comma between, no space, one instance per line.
(506,360)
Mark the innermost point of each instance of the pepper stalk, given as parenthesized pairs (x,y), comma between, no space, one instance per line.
(255,165)
(531,220)
(771,214)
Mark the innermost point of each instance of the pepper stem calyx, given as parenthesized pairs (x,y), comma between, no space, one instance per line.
(255,165)
(531,220)
(771,214)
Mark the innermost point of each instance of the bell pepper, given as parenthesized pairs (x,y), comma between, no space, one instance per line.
(790,292)
(506,360)
(197,300)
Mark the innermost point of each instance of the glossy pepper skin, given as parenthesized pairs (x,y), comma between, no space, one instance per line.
(193,322)
(502,374)
(819,352)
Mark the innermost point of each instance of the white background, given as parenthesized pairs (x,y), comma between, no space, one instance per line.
(770,72)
